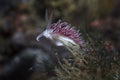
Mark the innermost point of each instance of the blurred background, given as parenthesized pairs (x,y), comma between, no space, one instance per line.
(22,20)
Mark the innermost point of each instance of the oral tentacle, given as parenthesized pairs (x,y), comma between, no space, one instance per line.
(39,36)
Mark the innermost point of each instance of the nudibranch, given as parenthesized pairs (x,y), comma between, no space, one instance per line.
(62,33)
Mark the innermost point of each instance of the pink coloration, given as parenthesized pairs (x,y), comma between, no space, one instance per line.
(65,29)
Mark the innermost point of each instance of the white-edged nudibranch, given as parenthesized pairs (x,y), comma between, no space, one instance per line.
(62,34)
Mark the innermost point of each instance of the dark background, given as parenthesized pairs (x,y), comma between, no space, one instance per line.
(22,20)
